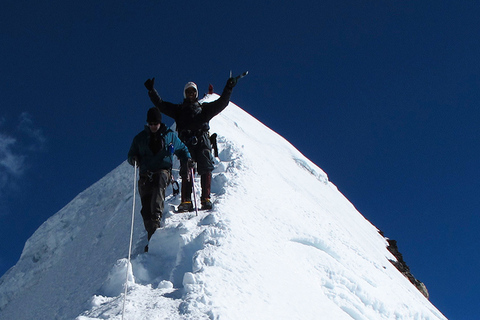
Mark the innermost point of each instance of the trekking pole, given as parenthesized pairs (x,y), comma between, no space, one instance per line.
(192,176)
(175,186)
(131,237)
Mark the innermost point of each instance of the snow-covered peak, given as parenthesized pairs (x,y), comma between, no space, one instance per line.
(281,243)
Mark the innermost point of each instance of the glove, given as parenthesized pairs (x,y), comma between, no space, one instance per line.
(149,84)
(190,163)
(231,82)
(135,161)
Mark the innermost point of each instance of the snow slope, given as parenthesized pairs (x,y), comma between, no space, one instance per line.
(281,243)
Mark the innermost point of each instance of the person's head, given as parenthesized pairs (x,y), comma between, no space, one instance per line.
(190,92)
(154,119)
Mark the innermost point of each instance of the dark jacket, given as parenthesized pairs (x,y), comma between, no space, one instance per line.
(163,159)
(191,117)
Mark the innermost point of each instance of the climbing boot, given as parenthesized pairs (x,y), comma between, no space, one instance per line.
(207,204)
(185,206)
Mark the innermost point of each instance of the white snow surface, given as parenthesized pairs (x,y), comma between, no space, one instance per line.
(281,243)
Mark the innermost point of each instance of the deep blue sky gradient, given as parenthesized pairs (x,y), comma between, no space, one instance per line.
(382,95)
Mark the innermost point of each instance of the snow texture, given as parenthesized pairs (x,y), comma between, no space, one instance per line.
(281,243)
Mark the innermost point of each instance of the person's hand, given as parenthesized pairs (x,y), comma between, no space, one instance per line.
(231,82)
(190,163)
(149,84)
(135,161)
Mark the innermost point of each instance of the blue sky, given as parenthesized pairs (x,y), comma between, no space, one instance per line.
(381,95)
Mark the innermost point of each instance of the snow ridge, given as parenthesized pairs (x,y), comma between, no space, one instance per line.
(170,275)
(281,243)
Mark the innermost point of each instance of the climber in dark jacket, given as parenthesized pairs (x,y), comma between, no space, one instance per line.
(192,121)
(152,151)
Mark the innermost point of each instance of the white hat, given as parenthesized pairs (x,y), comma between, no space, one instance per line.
(190,85)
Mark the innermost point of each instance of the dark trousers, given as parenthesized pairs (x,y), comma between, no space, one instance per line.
(201,153)
(152,194)
(206,182)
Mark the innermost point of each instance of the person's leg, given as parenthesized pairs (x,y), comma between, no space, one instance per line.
(206,181)
(185,189)
(146,195)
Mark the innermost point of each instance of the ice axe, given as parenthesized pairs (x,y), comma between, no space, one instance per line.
(240,76)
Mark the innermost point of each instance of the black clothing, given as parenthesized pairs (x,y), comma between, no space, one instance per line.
(152,193)
(154,116)
(192,120)
(191,117)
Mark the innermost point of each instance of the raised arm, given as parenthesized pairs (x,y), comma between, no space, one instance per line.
(166,108)
(211,109)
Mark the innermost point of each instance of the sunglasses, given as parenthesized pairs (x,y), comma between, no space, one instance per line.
(153,123)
